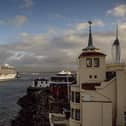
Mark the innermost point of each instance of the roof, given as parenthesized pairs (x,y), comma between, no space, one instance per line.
(65,72)
(61,83)
(95,96)
(91,53)
(89,86)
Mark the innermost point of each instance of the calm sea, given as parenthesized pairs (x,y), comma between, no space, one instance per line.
(10,92)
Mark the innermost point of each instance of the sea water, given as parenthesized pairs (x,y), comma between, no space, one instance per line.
(10,92)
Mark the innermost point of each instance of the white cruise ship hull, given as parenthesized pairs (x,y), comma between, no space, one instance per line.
(7,77)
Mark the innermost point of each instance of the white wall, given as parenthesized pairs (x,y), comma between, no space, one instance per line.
(109,90)
(96,114)
(85,72)
(121,97)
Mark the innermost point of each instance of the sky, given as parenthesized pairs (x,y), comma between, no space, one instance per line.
(49,35)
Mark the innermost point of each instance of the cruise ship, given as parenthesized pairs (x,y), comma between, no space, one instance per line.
(7,72)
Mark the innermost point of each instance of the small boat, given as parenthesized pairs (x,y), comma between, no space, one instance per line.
(18,75)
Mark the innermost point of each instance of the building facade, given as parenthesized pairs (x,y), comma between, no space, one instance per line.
(99,98)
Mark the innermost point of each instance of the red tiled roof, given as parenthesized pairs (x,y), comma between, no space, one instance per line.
(83,54)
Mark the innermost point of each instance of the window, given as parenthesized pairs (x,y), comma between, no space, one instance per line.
(77,114)
(72,113)
(89,62)
(96,62)
(125,118)
(77,97)
(95,76)
(90,76)
(72,96)
(110,75)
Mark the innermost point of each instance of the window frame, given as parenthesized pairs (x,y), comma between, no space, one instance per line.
(72,96)
(95,76)
(72,113)
(89,62)
(96,62)
(77,97)
(77,114)
(90,76)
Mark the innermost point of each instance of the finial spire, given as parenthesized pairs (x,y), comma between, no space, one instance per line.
(116,42)
(90,40)
(116,51)
(116,31)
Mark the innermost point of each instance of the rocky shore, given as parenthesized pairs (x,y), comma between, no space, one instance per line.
(34,108)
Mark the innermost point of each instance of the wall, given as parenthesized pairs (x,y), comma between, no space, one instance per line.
(74,105)
(121,97)
(96,114)
(85,72)
(108,89)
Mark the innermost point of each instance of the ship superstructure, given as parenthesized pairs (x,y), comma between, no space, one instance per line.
(7,72)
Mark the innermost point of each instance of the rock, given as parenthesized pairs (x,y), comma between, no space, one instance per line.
(34,109)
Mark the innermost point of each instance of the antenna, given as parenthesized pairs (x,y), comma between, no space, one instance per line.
(116,31)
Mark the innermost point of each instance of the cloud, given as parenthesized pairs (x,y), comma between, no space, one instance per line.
(21,56)
(50,52)
(123,26)
(27,4)
(99,23)
(34,39)
(80,27)
(18,20)
(118,11)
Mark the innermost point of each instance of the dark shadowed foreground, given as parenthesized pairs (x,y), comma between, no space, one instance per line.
(34,109)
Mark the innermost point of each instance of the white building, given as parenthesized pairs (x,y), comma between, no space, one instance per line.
(99,98)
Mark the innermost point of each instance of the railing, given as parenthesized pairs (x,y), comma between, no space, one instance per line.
(60,82)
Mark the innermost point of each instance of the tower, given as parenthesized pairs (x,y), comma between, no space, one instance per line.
(91,63)
(116,49)
(93,107)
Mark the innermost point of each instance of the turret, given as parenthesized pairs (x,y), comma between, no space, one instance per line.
(91,62)
(116,49)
